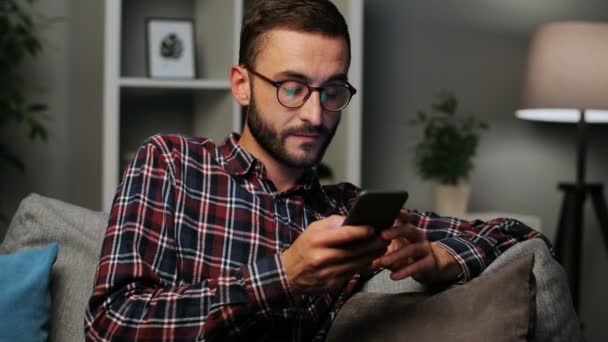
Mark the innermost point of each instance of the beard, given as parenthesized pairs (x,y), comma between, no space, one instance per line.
(273,141)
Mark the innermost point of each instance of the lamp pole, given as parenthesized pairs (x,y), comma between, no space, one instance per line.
(581,147)
(570,230)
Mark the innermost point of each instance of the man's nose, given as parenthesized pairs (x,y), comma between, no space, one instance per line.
(312,111)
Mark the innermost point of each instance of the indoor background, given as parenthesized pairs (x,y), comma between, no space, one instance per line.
(476,48)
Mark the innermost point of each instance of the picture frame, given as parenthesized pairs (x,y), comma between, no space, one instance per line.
(170,48)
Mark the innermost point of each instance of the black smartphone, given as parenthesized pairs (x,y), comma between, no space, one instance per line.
(376,208)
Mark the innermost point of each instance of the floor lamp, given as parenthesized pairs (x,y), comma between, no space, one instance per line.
(567,81)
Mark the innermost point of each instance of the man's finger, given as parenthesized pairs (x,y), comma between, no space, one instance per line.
(351,267)
(415,251)
(403,217)
(345,234)
(421,266)
(330,231)
(408,231)
(375,247)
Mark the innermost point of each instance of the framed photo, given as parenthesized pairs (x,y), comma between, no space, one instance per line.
(170,48)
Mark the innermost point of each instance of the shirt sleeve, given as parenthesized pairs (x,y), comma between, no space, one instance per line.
(473,244)
(137,291)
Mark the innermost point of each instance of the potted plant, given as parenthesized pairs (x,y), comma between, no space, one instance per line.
(18,41)
(445,153)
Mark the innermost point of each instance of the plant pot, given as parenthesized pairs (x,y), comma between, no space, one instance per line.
(451,200)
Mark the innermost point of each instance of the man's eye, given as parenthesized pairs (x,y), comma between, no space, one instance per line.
(331,91)
(292,90)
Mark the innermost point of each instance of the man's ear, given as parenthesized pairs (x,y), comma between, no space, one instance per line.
(239,82)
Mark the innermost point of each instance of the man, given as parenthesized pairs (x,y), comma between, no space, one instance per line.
(239,240)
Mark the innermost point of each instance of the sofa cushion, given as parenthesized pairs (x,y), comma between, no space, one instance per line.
(495,307)
(25,296)
(79,232)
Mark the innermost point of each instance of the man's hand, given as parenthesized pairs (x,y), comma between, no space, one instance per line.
(328,254)
(411,254)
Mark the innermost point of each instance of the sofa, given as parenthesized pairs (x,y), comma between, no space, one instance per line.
(79,232)
(503,300)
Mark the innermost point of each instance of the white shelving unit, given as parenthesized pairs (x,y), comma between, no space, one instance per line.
(142,82)
(136,106)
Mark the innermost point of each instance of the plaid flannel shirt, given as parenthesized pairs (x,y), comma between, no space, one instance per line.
(192,248)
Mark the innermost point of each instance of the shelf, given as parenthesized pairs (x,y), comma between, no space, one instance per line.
(143,82)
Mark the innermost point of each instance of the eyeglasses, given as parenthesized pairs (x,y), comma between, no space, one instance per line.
(335,95)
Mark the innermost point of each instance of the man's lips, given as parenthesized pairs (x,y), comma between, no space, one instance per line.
(307,136)
(311,135)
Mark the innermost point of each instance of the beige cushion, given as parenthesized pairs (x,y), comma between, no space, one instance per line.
(496,307)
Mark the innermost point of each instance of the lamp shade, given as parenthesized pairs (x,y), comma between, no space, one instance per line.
(567,72)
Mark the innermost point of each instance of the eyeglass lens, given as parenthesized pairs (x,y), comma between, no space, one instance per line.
(294,94)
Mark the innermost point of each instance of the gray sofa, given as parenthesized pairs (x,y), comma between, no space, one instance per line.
(504,300)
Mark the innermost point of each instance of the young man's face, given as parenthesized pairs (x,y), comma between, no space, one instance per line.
(295,137)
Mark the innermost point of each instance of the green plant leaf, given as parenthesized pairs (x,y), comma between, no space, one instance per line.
(18,40)
(37,107)
(38,131)
(11,159)
(422,116)
(449,142)
(446,103)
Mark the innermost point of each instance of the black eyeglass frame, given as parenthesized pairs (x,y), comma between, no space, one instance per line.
(278,84)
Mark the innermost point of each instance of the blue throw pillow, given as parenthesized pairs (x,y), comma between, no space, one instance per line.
(25,296)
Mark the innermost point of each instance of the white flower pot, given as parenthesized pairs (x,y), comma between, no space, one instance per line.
(451,200)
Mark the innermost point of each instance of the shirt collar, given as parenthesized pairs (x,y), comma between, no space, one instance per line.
(238,162)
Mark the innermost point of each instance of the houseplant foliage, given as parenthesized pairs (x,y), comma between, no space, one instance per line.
(449,143)
(18,42)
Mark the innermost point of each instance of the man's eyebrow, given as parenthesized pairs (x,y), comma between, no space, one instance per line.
(292,75)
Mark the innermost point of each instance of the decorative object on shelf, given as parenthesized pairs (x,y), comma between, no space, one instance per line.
(170,46)
(566,82)
(18,41)
(445,154)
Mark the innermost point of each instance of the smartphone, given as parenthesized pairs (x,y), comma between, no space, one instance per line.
(376,208)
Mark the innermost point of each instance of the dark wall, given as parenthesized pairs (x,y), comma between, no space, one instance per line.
(478,49)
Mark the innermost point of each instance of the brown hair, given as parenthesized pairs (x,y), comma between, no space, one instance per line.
(310,16)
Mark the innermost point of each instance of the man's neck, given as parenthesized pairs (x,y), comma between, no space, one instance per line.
(283,177)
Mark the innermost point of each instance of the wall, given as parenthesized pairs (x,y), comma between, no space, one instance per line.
(86,89)
(478,49)
(67,76)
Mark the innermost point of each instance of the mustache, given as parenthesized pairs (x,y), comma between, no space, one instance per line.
(307,129)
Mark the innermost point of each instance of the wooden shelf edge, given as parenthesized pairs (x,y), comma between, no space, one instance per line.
(143,82)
